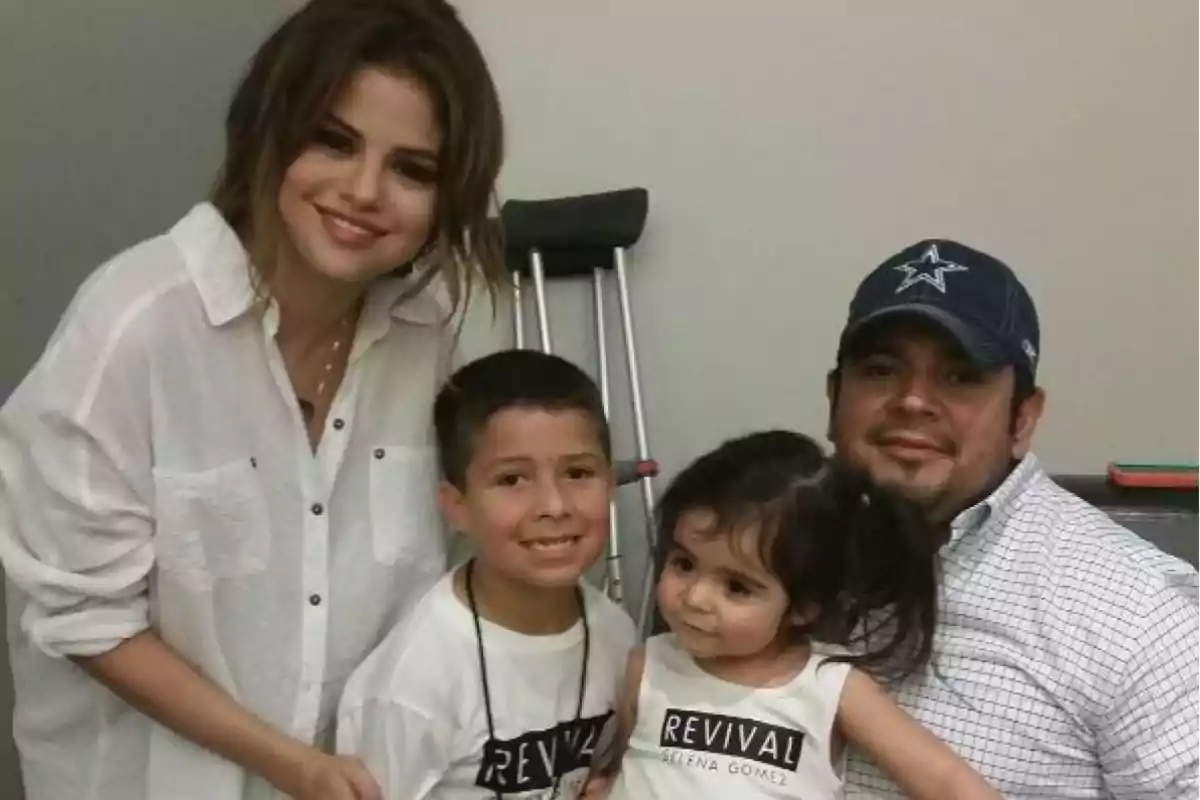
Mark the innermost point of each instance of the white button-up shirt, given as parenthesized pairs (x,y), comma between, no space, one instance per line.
(155,473)
(1065,662)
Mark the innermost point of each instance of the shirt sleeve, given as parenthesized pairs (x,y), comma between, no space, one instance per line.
(76,494)
(1148,741)
(406,751)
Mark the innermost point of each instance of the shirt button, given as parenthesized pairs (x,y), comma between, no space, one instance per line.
(318,509)
(379,452)
(314,599)
(339,423)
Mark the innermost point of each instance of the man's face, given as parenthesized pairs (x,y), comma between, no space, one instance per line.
(912,410)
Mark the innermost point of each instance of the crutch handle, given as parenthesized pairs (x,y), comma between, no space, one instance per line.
(559,262)
(576,228)
(633,470)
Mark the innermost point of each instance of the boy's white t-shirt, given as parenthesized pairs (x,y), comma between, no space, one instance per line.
(414,710)
(699,737)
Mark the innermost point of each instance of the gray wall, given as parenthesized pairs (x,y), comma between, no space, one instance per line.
(113,115)
(112,129)
(787,147)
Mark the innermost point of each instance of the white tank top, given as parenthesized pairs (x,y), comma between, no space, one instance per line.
(700,737)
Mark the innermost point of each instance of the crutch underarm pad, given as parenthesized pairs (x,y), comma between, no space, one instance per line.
(586,222)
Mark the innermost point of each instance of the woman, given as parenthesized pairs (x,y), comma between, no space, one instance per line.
(217,484)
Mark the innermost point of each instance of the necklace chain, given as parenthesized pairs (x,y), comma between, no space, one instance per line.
(308,405)
(487,695)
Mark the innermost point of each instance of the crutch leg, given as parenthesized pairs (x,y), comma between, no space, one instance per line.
(518,313)
(539,295)
(639,427)
(612,572)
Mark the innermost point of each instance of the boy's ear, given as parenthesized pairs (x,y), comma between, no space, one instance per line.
(453,505)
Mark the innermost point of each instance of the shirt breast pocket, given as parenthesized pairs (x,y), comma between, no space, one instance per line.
(210,525)
(405,521)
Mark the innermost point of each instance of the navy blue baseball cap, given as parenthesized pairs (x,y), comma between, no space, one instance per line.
(972,296)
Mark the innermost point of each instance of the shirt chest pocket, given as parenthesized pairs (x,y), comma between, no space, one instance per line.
(405,521)
(211,525)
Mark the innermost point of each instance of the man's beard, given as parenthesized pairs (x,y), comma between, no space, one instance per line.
(931,497)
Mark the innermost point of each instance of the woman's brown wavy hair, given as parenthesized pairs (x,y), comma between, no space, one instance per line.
(299,72)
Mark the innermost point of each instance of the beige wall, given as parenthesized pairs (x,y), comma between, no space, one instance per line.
(790,146)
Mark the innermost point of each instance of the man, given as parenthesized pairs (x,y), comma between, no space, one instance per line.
(1065,663)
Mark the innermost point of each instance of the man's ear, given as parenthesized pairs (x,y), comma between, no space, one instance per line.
(1028,415)
(831,394)
(453,504)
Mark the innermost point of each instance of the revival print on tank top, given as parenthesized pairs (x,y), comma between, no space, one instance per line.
(697,740)
(699,737)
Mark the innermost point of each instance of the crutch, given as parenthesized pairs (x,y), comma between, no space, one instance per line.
(582,236)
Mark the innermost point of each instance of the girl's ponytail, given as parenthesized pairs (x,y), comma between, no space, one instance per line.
(889,594)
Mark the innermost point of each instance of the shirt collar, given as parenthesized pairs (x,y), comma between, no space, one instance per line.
(219,266)
(216,262)
(1000,501)
(392,297)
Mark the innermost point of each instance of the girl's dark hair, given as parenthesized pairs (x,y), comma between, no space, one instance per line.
(299,72)
(862,560)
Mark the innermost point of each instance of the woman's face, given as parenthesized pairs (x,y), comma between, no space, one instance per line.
(360,200)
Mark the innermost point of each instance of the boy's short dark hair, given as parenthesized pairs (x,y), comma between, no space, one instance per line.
(502,380)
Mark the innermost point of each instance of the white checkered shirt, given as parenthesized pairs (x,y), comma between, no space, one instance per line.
(1065,662)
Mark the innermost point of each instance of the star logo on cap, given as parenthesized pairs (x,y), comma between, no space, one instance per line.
(930,268)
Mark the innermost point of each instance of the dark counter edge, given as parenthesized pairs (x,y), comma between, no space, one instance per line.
(1097,490)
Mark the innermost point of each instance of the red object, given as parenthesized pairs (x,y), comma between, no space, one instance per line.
(647,468)
(1148,477)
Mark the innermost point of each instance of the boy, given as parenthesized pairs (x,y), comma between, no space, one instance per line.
(498,682)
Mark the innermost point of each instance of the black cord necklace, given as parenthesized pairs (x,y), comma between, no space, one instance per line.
(487,695)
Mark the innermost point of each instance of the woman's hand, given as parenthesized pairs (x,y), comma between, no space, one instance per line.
(326,777)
